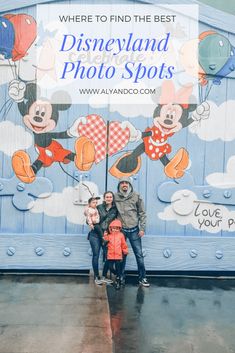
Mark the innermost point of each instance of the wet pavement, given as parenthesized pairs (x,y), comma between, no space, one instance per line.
(53,314)
(70,314)
(174,316)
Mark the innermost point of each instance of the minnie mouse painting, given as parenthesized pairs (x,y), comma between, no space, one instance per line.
(169,117)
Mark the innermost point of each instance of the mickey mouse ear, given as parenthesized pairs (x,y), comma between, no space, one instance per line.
(32,91)
(62,99)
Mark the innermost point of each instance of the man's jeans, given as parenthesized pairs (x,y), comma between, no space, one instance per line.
(135,241)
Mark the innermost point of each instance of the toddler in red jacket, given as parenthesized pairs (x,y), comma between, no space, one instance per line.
(117,247)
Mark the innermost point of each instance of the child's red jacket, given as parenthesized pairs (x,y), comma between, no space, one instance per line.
(117,245)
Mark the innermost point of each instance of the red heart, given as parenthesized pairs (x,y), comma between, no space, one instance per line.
(96,130)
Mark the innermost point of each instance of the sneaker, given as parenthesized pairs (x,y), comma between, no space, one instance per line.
(98,281)
(106,280)
(117,285)
(123,281)
(144,282)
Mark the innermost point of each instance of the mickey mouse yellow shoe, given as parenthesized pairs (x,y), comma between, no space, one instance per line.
(21,165)
(177,165)
(85,153)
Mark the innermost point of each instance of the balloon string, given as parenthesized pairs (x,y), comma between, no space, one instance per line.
(12,70)
(4,105)
(207,93)
(18,73)
(7,110)
(15,67)
(7,105)
(207,88)
(200,93)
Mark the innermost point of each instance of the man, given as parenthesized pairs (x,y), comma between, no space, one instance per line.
(131,211)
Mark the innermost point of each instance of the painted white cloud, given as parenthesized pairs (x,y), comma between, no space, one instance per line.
(186,209)
(219,125)
(70,203)
(224,180)
(13,137)
(137,104)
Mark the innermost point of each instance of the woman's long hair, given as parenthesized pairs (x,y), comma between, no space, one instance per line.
(109,192)
(113,204)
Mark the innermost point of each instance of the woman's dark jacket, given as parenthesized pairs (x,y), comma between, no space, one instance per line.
(106,216)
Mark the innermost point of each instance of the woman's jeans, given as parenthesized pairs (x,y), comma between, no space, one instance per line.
(136,244)
(95,243)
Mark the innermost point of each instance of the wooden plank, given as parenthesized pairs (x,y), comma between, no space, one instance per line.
(207,14)
(12,220)
(14,5)
(74,112)
(230,126)
(21,4)
(212,253)
(10,5)
(51,248)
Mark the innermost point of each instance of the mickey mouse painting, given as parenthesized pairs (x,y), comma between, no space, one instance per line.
(41,116)
(169,117)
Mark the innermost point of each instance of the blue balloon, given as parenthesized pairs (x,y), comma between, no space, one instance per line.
(7,37)
(227,68)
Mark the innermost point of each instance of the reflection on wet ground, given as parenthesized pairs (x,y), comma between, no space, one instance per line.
(69,314)
(53,314)
(174,316)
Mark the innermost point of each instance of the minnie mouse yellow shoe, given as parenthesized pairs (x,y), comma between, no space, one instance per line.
(177,165)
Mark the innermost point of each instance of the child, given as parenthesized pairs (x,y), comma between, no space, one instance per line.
(117,247)
(93,218)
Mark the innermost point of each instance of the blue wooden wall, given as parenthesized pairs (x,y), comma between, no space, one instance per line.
(52,234)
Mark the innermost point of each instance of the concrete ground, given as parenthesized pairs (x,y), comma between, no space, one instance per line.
(174,316)
(70,314)
(52,314)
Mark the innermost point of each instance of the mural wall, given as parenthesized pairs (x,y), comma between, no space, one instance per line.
(54,156)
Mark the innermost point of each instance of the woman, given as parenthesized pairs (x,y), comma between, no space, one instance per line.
(108,212)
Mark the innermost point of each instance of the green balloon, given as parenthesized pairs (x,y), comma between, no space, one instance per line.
(214,51)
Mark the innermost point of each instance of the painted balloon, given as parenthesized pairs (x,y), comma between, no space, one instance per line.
(214,51)
(25,34)
(227,68)
(6,37)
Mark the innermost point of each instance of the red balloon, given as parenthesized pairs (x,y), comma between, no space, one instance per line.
(25,28)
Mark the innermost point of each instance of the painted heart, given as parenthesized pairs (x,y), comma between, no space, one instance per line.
(96,130)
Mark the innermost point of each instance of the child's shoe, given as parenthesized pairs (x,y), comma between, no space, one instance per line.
(123,281)
(117,285)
